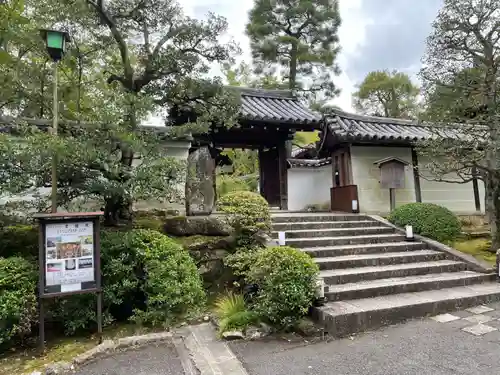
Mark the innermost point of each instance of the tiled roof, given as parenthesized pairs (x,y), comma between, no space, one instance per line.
(312,163)
(370,128)
(275,105)
(298,151)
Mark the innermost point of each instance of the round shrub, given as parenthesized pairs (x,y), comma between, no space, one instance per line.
(146,276)
(18,303)
(173,287)
(427,219)
(249,211)
(287,283)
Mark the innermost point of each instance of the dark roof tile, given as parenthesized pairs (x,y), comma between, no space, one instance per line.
(275,105)
(311,163)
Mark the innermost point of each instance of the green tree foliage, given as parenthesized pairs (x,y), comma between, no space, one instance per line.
(387,94)
(458,98)
(463,58)
(126,60)
(300,38)
(243,75)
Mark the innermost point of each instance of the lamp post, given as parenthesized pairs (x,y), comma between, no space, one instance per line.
(55,42)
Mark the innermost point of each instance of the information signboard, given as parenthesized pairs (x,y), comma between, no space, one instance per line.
(69,256)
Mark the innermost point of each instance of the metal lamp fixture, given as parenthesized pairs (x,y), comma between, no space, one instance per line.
(354,206)
(409,233)
(55,41)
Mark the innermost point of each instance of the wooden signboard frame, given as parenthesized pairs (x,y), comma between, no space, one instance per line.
(68,276)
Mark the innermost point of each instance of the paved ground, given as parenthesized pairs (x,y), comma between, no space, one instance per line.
(150,360)
(448,345)
(460,343)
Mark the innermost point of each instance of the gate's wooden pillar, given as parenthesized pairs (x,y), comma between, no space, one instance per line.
(283,175)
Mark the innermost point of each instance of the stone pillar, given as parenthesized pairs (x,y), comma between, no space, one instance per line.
(200,193)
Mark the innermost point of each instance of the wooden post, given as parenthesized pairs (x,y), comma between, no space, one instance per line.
(392,195)
(283,175)
(416,176)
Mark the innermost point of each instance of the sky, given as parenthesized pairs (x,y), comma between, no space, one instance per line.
(375,34)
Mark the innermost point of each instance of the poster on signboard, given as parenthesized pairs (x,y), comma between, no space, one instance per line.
(69,254)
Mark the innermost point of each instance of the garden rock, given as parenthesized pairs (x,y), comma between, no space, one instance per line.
(233,335)
(196,225)
(254,333)
(200,193)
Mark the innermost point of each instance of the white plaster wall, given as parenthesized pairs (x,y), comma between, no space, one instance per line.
(373,199)
(458,197)
(308,186)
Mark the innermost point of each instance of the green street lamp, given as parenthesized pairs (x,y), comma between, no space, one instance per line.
(55,41)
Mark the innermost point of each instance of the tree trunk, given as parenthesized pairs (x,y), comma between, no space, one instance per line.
(292,80)
(117,210)
(492,208)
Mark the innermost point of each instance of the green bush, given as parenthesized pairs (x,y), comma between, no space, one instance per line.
(146,276)
(229,304)
(122,273)
(18,303)
(249,211)
(427,219)
(287,283)
(241,260)
(239,321)
(19,240)
(173,287)
(233,314)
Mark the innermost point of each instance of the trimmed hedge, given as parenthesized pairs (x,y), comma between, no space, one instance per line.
(287,284)
(18,303)
(428,219)
(249,211)
(146,276)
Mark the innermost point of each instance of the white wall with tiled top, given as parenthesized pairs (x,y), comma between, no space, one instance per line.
(459,198)
(366,175)
(308,185)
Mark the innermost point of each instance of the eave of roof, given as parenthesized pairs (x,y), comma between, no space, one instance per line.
(8,124)
(353,127)
(276,106)
(309,163)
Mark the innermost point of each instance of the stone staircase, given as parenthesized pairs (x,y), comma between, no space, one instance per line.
(374,277)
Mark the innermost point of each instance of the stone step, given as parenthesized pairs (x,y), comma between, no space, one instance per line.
(335,232)
(382,259)
(308,217)
(351,275)
(374,248)
(312,225)
(382,287)
(346,317)
(347,240)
